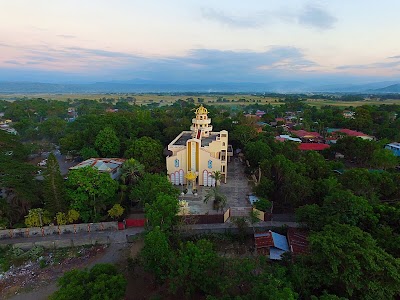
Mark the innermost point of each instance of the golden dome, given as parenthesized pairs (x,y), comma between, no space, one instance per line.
(191,176)
(201,110)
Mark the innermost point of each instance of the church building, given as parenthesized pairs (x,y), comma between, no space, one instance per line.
(194,155)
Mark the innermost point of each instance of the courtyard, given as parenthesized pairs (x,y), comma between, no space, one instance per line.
(235,189)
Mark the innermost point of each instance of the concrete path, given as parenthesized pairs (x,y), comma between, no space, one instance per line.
(236,187)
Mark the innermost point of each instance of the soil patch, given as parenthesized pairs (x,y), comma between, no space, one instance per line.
(35,274)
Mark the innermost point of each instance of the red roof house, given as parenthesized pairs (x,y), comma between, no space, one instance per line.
(306,134)
(313,147)
(359,134)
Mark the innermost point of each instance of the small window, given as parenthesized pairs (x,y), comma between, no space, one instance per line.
(210,164)
(223,143)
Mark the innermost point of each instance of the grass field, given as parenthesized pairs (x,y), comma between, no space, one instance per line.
(165,99)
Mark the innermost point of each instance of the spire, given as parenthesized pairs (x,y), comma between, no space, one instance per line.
(201,124)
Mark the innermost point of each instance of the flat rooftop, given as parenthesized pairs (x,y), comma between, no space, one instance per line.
(205,141)
(183,139)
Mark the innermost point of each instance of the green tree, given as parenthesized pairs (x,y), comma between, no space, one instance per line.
(291,188)
(148,152)
(217,175)
(196,268)
(88,152)
(116,211)
(53,187)
(163,212)
(243,134)
(256,152)
(157,254)
(61,218)
(219,199)
(346,208)
(72,216)
(131,171)
(384,159)
(90,191)
(53,128)
(149,186)
(342,207)
(107,142)
(362,183)
(19,188)
(103,281)
(37,218)
(263,204)
(347,262)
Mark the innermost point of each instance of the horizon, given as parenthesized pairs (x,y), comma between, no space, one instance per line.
(316,43)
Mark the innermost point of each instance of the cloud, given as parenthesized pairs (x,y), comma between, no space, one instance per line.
(316,17)
(13,62)
(376,65)
(67,36)
(309,16)
(394,57)
(233,21)
(196,65)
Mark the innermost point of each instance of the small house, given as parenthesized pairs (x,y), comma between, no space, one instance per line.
(272,244)
(394,147)
(111,166)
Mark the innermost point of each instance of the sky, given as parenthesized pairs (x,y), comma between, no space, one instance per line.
(199,41)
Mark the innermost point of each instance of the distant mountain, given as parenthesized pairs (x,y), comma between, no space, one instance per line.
(354,88)
(146,86)
(394,88)
(142,86)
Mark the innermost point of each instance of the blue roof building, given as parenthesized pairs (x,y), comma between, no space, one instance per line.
(394,147)
(271,243)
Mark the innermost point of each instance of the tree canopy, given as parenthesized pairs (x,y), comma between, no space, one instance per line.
(90,192)
(103,281)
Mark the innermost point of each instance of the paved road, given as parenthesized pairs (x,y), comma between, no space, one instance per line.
(116,237)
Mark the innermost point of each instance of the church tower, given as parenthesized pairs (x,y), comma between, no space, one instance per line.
(201,124)
(195,155)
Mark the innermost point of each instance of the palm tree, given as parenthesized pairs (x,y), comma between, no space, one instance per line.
(217,175)
(131,171)
(219,199)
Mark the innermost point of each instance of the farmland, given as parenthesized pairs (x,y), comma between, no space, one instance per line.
(209,99)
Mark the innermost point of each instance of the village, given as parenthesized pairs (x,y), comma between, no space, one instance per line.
(238,182)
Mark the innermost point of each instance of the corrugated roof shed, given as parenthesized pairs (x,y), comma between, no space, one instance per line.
(275,242)
(275,253)
(263,240)
(298,241)
(280,241)
(102,164)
